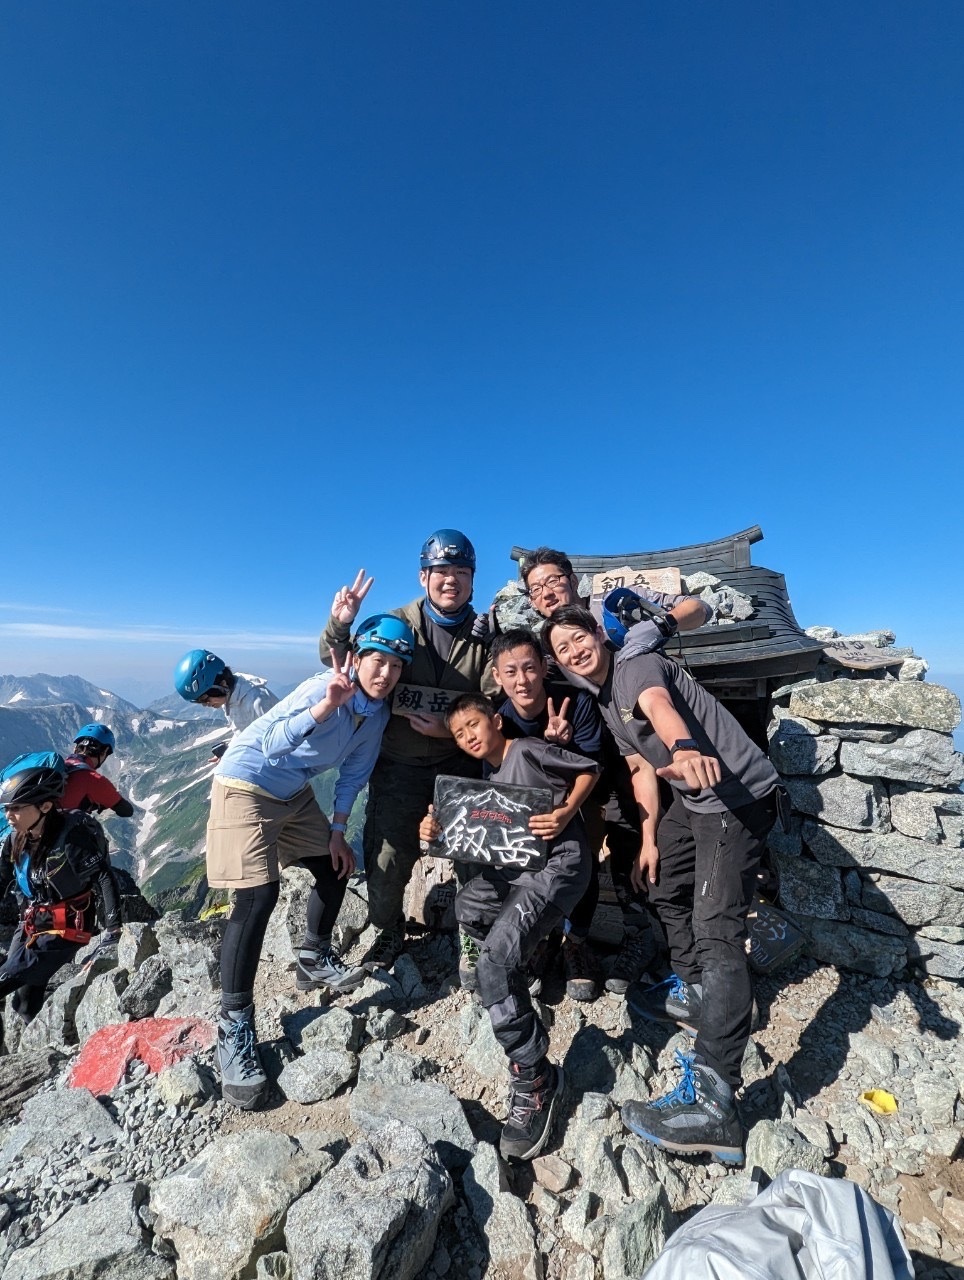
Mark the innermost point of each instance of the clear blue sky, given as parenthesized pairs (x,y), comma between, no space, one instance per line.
(286,286)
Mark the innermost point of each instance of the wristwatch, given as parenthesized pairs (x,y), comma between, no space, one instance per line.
(666,625)
(684,744)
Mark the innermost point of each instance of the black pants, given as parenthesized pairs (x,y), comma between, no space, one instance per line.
(509,913)
(28,969)
(708,864)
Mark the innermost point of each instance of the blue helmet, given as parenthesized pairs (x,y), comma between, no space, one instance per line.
(620,611)
(196,673)
(33,778)
(387,634)
(98,733)
(447,547)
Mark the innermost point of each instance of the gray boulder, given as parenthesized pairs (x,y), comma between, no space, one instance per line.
(101,1005)
(636,1235)
(393,1066)
(22,1074)
(55,1024)
(182,1085)
(430,1108)
(912,703)
(775,1146)
(842,802)
(377,1213)
(137,941)
(913,901)
(927,815)
(332,1028)
(801,753)
(151,982)
(57,1121)
(227,1207)
(919,756)
(884,852)
(101,1240)
(938,959)
(832,942)
(813,890)
(318,1075)
(192,950)
(485,1055)
(501,1217)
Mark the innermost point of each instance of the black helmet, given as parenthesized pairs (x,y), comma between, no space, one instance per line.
(447,547)
(33,786)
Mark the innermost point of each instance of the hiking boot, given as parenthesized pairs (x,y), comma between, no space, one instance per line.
(385,950)
(635,954)
(236,1060)
(326,968)
(531,1104)
(582,969)
(671,1001)
(469,952)
(698,1115)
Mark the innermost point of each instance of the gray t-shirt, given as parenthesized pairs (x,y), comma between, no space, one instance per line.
(532,762)
(747,774)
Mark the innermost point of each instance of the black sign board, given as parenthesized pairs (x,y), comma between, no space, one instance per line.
(773,938)
(488,822)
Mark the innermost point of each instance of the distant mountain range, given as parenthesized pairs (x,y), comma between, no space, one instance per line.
(162,765)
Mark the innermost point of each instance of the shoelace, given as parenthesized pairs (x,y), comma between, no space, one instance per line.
(522,1105)
(241,1040)
(333,960)
(633,948)
(469,948)
(685,1090)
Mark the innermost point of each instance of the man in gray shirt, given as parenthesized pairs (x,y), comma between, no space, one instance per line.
(700,876)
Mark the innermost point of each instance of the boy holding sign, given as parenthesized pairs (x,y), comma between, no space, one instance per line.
(509,909)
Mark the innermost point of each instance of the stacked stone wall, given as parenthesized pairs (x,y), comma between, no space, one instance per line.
(872,868)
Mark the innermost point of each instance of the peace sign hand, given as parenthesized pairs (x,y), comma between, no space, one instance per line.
(341,687)
(348,600)
(558,728)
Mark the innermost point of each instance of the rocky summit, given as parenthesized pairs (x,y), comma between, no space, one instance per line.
(376,1153)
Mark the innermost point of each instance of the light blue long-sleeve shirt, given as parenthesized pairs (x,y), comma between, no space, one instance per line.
(285,748)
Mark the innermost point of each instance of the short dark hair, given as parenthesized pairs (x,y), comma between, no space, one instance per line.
(570,615)
(469,702)
(543,555)
(518,637)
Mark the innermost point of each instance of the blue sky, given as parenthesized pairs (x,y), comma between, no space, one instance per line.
(286,287)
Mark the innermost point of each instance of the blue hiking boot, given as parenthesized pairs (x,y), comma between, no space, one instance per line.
(236,1060)
(670,1001)
(699,1115)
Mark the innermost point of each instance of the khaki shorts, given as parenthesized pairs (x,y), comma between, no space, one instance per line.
(250,837)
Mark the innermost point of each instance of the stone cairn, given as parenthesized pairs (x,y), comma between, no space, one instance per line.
(870,869)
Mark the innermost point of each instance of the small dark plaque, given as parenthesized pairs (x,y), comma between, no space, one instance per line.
(774,939)
(488,822)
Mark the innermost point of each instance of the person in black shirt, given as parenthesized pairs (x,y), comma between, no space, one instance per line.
(509,910)
(569,717)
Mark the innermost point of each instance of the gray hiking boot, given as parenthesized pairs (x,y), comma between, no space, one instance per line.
(698,1116)
(532,1104)
(635,954)
(671,1001)
(327,969)
(236,1060)
(469,953)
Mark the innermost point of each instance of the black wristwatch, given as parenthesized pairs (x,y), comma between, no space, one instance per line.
(684,744)
(666,625)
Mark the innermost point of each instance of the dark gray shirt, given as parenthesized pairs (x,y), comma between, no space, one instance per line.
(747,774)
(532,762)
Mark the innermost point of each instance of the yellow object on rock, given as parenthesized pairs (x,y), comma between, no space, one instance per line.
(879,1100)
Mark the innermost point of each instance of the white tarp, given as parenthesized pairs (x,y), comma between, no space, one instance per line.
(802,1227)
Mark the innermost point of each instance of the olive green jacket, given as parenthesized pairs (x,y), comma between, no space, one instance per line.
(467,670)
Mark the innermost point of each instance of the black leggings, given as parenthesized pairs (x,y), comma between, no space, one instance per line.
(244,932)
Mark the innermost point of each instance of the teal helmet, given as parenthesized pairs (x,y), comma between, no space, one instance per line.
(98,733)
(197,673)
(387,634)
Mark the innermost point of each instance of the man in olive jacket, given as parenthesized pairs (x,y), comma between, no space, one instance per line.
(451,658)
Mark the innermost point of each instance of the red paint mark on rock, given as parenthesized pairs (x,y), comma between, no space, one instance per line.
(158,1042)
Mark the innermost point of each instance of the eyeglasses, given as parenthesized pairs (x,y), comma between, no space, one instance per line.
(549,583)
